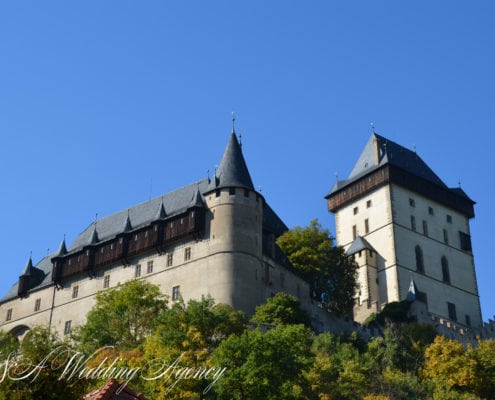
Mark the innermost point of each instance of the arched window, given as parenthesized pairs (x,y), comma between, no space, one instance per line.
(420,266)
(445,270)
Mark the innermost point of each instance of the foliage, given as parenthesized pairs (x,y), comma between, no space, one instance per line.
(34,373)
(122,316)
(331,274)
(266,365)
(282,308)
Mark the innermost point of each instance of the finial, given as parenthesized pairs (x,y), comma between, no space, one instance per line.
(31,254)
(459,183)
(414,147)
(337,176)
(233,122)
(372,127)
(240,138)
(47,251)
(96,217)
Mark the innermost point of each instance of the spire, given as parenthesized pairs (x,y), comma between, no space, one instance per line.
(197,199)
(28,269)
(94,236)
(411,293)
(161,214)
(127,223)
(233,170)
(62,250)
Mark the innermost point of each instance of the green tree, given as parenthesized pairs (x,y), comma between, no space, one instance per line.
(122,317)
(35,371)
(282,308)
(188,334)
(331,274)
(266,365)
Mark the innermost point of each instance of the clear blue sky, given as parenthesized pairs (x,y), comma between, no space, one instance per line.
(106,103)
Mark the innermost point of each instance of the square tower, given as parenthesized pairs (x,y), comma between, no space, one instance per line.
(417,228)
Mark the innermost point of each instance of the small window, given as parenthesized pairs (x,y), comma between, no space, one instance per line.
(75,291)
(452,311)
(430,211)
(445,236)
(445,270)
(420,266)
(106,281)
(413,223)
(37,305)
(149,267)
(412,203)
(137,271)
(465,240)
(187,254)
(354,232)
(67,327)
(9,315)
(135,238)
(449,218)
(232,191)
(175,293)
(356,210)
(217,193)
(366,226)
(425,228)
(468,320)
(368,204)
(170,259)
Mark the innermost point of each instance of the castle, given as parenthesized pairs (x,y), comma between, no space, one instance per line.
(408,232)
(410,235)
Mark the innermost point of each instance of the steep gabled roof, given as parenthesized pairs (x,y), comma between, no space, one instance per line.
(360,243)
(233,170)
(380,151)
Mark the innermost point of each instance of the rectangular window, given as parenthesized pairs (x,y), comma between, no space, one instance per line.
(368,204)
(425,228)
(9,315)
(232,191)
(356,210)
(187,254)
(217,193)
(445,236)
(412,203)
(413,223)
(468,320)
(366,226)
(149,267)
(354,232)
(465,240)
(449,218)
(106,281)
(170,259)
(67,327)
(137,271)
(175,293)
(37,305)
(452,311)
(430,211)
(75,291)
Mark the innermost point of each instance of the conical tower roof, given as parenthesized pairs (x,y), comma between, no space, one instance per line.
(232,170)
(28,269)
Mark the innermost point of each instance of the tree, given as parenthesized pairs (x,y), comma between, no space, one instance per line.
(35,371)
(331,274)
(122,317)
(266,365)
(281,309)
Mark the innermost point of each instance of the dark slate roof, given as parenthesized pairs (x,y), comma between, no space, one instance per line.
(233,170)
(360,243)
(391,153)
(43,269)
(143,214)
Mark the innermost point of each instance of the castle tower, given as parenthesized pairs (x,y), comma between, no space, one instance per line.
(418,226)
